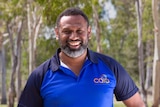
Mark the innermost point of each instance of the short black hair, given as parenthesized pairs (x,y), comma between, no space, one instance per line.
(72,11)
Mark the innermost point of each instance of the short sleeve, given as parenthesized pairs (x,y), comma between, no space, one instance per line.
(125,86)
(30,96)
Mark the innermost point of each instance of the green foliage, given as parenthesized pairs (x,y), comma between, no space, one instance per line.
(120,37)
(148,34)
(53,9)
(147,21)
(12,9)
(46,48)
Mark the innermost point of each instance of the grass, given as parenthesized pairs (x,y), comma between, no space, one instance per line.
(119,104)
(3,105)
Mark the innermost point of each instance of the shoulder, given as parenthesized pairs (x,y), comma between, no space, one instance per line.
(108,60)
(41,68)
(36,77)
(51,63)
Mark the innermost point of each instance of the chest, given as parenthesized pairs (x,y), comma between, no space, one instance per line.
(96,82)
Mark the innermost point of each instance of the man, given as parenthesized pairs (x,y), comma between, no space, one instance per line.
(76,76)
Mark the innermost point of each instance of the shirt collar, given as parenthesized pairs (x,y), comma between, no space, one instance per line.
(55,61)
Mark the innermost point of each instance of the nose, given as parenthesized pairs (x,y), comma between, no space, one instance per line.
(74,36)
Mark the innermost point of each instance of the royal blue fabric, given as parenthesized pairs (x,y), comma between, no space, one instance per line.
(51,85)
(92,88)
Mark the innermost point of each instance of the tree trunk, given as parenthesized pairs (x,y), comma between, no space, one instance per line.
(0,60)
(4,98)
(31,40)
(149,68)
(3,71)
(0,73)
(97,27)
(15,47)
(140,50)
(20,26)
(12,91)
(156,62)
(34,22)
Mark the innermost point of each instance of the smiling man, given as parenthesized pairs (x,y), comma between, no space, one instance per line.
(76,76)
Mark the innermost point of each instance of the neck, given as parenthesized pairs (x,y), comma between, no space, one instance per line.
(75,64)
(70,60)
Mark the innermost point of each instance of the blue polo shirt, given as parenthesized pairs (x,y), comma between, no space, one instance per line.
(94,87)
(53,85)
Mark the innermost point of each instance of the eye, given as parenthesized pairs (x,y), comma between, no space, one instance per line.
(67,32)
(79,31)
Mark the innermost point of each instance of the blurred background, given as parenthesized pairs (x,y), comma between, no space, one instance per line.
(127,30)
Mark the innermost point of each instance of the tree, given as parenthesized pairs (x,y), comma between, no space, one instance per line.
(3,71)
(148,40)
(97,25)
(124,30)
(13,17)
(2,63)
(16,57)
(140,49)
(156,63)
(34,24)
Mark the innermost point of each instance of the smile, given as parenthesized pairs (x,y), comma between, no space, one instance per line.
(74,43)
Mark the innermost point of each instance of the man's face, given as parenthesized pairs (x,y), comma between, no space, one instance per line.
(73,35)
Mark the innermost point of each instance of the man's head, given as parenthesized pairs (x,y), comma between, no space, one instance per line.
(73,32)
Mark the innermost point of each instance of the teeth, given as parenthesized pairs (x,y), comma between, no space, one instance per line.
(74,43)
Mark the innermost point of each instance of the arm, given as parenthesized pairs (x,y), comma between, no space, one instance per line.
(126,90)
(30,96)
(134,101)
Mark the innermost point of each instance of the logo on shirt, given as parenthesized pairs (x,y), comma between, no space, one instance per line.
(102,79)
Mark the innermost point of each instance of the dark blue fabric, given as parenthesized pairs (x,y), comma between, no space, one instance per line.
(31,96)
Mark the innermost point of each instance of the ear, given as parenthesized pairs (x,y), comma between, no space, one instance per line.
(89,32)
(56,31)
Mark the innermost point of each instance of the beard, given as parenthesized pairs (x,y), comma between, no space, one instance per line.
(74,52)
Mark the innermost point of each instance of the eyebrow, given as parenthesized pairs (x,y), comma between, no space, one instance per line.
(70,28)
